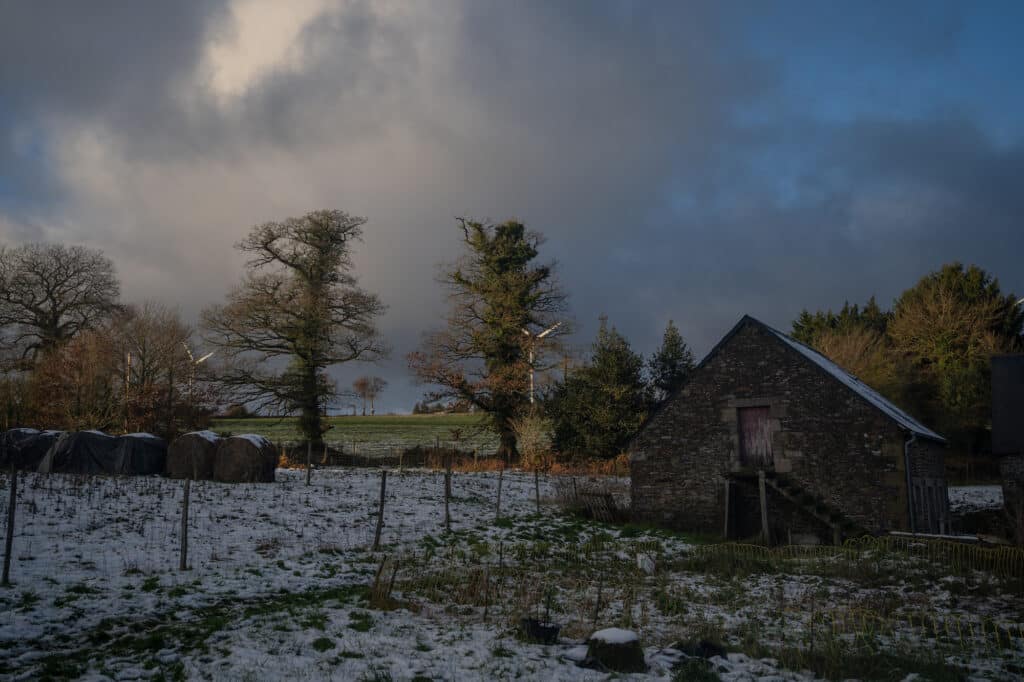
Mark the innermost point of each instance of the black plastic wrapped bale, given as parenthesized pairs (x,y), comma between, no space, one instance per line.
(93,452)
(247,458)
(192,455)
(26,447)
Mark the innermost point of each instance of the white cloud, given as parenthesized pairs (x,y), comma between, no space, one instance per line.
(261,38)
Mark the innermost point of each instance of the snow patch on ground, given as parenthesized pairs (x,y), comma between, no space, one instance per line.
(970,498)
(258,441)
(615,636)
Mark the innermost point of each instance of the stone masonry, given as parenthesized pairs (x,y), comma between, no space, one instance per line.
(825,438)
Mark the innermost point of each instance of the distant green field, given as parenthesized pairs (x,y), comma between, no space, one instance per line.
(378,435)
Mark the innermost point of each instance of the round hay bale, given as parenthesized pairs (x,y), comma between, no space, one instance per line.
(192,455)
(617,649)
(245,459)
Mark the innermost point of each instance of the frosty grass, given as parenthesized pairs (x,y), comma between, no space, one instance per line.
(280,577)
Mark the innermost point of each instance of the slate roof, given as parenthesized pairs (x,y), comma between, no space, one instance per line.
(856,385)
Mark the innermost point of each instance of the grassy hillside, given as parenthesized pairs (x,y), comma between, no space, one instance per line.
(378,434)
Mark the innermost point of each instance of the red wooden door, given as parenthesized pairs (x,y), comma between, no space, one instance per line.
(755,437)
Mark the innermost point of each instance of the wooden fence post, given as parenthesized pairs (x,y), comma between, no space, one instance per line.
(447,494)
(380,512)
(309,461)
(536,486)
(12,503)
(763,494)
(725,531)
(497,507)
(183,561)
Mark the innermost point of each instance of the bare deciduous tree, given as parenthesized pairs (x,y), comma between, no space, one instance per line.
(77,385)
(368,389)
(51,292)
(150,341)
(297,312)
(128,375)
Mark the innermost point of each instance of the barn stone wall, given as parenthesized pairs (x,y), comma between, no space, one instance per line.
(825,438)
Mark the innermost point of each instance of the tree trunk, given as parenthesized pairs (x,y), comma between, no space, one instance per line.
(310,420)
(507,446)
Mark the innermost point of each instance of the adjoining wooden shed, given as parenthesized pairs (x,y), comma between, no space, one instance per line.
(769,436)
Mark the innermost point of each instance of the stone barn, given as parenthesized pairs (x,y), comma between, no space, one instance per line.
(770,437)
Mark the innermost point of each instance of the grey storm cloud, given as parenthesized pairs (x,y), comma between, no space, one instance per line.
(655,145)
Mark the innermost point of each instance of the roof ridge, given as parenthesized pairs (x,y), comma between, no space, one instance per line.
(854,383)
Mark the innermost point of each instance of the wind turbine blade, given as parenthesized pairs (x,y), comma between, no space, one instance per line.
(549,330)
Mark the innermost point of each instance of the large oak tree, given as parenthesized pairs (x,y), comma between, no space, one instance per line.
(298,312)
(51,292)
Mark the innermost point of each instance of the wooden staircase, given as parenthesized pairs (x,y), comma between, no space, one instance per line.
(812,506)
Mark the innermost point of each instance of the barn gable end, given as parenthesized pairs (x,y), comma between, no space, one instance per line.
(760,401)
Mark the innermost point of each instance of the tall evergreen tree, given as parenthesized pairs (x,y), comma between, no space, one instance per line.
(671,365)
(600,405)
(809,327)
(501,299)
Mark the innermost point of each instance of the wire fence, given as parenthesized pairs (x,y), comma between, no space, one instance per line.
(875,554)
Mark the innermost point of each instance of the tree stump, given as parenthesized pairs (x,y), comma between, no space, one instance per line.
(617,649)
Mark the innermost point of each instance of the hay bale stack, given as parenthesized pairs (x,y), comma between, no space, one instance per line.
(140,454)
(25,447)
(81,452)
(245,459)
(191,455)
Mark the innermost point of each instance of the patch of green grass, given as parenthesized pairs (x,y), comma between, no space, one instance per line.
(836,660)
(81,588)
(349,654)
(151,584)
(695,670)
(27,601)
(360,621)
(60,668)
(316,620)
(322,644)
(129,638)
(502,652)
(376,433)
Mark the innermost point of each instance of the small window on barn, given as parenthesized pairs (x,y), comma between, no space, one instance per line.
(755,437)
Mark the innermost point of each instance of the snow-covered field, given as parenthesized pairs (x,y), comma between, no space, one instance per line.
(283,584)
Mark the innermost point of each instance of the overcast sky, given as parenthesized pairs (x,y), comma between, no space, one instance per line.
(685,161)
